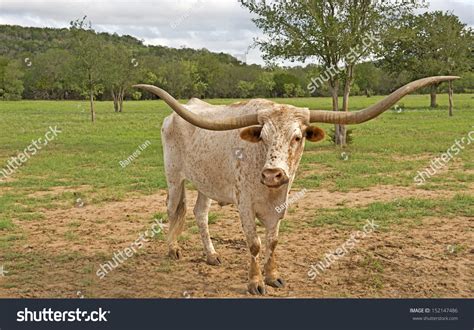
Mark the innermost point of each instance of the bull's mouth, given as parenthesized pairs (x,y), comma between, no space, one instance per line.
(275,185)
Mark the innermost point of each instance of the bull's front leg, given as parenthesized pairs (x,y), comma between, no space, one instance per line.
(272,276)
(256,285)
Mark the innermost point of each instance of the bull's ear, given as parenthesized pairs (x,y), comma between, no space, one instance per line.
(251,134)
(314,134)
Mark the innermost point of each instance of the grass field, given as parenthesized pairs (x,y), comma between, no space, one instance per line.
(83,162)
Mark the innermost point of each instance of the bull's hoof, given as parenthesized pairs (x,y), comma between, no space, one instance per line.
(275,282)
(175,253)
(257,288)
(214,260)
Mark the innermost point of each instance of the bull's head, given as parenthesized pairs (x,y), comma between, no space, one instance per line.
(283,128)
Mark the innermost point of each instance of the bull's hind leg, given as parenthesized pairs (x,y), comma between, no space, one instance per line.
(201,212)
(176,204)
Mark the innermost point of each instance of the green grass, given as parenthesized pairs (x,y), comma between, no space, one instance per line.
(85,157)
(5,224)
(384,214)
(213,217)
(160,216)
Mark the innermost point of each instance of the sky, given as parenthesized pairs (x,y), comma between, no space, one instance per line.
(218,25)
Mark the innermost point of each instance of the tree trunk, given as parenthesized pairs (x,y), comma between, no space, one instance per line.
(121,94)
(334,94)
(450,94)
(334,87)
(341,136)
(434,89)
(91,94)
(115,98)
(92,104)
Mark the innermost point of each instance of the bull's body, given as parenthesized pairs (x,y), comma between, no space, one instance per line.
(227,169)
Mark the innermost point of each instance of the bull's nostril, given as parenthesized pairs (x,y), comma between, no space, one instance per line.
(273,177)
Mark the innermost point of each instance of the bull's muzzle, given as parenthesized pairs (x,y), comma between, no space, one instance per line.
(274,177)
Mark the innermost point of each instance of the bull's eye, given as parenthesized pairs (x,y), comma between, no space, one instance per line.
(297,139)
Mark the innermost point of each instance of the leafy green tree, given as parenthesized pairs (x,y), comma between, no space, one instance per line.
(466,84)
(121,72)
(200,88)
(50,76)
(367,77)
(246,88)
(293,90)
(334,32)
(434,43)
(281,79)
(3,64)
(181,78)
(12,82)
(265,84)
(89,60)
(211,72)
(288,90)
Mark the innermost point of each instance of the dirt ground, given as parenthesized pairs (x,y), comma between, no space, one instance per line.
(62,253)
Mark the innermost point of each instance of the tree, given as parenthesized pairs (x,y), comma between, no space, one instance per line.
(89,64)
(334,32)
(281,79)
(211,72)
(367,77)
(430,44)
(12,84)
(50,76)
(293,90)
(246,88)
(3,64)
(264,84)
(121,72)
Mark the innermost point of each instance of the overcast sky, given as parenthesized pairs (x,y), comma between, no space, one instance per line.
(218,25)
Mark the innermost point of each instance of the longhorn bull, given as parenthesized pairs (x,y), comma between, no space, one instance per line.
(199,143)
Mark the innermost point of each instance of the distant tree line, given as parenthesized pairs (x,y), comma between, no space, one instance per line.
(78,63)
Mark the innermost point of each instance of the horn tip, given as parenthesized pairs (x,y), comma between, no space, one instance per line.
(448,78)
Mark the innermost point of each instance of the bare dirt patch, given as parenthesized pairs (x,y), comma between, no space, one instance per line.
(62,252)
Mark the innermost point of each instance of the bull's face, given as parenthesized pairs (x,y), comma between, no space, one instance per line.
(283,134)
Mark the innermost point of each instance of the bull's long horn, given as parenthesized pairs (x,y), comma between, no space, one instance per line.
(200,121)
(357,117)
